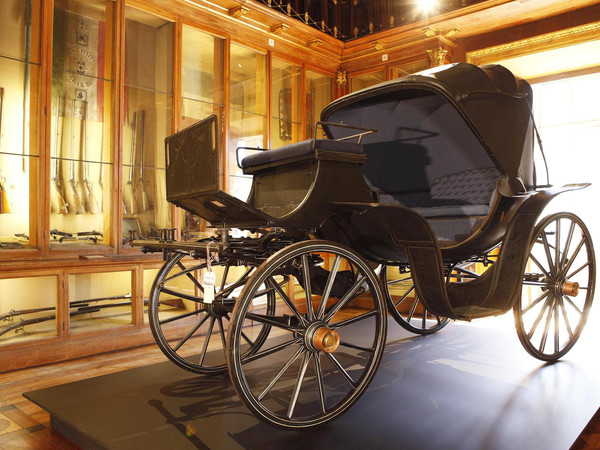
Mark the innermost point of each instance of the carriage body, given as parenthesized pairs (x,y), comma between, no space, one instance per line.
(416,176)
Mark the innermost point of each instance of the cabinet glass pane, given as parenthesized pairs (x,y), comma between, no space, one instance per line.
(202,81)
(27,308)
(19,127)
(149,117)
(286,102)
(248,106)
(366,80)
(99,300)
(318,95)
(407,69)
(82,93)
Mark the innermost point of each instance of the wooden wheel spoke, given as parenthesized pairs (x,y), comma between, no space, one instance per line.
(542,268)
(556,327)
(286,300)
(170,291)
(357,347)
(222,332)
(307,287)
(270,320)
(345,299)
(298,386)
(320,384)
(190,333)
(354,319)
(280,372)
(570,262)
(573,305)
(535,302)
(547,250)
(567,244)
(207,340)
(328,286)
(180,317)
(187,273)
(339,367)
(579,269)
(413,309)
(539,318)
(566,319)
(271,350)
(546,328)
(405,296)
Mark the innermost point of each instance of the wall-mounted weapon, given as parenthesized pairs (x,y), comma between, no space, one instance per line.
(5,207)
(63,236)
(129,200)
(144,200)
(76,308)
(26,110)
(77,205)
(10,316)
(57,203)
(92,203)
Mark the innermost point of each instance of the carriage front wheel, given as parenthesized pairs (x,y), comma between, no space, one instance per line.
(558,287)
(327,336)
(188,330)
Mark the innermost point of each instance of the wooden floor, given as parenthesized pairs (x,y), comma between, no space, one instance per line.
(23,425)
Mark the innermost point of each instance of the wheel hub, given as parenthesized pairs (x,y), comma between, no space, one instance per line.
(319,337)
(570,288)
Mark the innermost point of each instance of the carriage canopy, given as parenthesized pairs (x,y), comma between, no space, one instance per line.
(453,119)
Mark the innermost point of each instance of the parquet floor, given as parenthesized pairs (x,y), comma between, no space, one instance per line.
(23,425)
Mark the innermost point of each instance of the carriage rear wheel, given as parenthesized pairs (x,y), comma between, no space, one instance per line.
(190,332)
(558,287)
(404,304)
(327,337)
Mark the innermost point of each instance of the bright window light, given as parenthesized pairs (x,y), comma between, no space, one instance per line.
(426,5)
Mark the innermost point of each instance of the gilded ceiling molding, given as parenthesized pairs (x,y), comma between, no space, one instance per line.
(549,41)
(340,79)
(377,45)
(437,56)
(314,43)
(238,11)
(433,32)
(281,28)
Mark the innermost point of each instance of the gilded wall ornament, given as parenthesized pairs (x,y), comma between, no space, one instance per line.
(437,56)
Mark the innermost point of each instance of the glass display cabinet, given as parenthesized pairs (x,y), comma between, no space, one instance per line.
(286,103)
(202,94)
(28,308)
(365,80)
(148,120)
(247,110)
(20,30)
(81,159)
(319,89)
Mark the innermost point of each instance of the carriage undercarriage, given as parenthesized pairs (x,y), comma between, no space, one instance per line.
(297,311)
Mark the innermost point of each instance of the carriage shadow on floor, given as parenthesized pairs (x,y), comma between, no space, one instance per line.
(465,387)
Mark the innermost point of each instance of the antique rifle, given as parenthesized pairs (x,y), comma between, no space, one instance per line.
(144,200)
(77,205)
(58,204)
(26,109)
(20,325)
(129,200)
(9,316)
(89,185)
(5,207)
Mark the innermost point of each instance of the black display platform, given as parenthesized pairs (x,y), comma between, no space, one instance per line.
(470,386)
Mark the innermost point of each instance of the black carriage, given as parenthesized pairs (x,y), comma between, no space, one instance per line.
(422,200)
